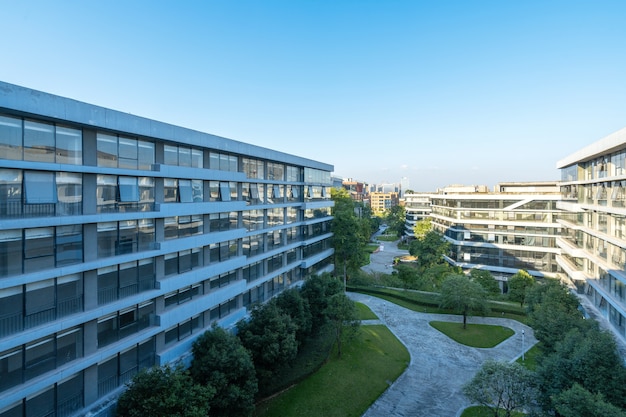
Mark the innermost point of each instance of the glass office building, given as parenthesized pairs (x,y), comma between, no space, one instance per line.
(122,239)
(593,242)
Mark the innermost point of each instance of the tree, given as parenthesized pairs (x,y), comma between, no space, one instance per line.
(164,392)
(409,276)
(270,336)
(291,302)
(518,285)
(587,356)
(341,312)
(552,312)
(463,296)
(396,220)
(429,250)
(486,280)
(502,385)
(348,242)
(317,290)
(422,227)
(221,361)
(577,401)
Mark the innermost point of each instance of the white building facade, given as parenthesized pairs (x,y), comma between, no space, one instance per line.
(593,241)
(122,239)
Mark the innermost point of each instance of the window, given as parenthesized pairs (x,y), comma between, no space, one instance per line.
(38,141)
(39,187)
(185,191)
(69,245)
(69,146)
(123,152)
(224,191)
(10,138)
(127,153)
(107,150)
(38,249)
(10,192)
(197,191)
(129,189)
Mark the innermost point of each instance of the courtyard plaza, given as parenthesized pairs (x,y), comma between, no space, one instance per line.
(431,386)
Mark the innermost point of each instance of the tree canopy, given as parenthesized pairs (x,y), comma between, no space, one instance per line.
(422,227)
(221,361)
(342,313)
(502,385)
(518,285)
(396,220)
(463,296)
(164,392)
(429,250)
(486,280)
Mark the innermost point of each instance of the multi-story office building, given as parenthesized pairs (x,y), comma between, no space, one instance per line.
(381,202)
(593,241)
(356,189)
(417,208)
(123,238)
(512,228)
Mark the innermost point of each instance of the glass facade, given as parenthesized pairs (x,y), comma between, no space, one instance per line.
(134,243)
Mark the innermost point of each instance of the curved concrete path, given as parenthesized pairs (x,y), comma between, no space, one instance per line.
(431,385)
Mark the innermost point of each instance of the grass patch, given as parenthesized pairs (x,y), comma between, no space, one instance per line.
(481,411)
(428,302)
(346,386)
(371,248)
(387,238)
(475,335)
(365,313)
(530,357)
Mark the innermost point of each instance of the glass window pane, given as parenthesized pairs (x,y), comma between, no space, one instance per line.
(10,138)
(38,249)
(40,187)
(170,155)
(10,252)
(184,188)
(197,191)
(69,245)
(10,192)
(39,357)
(197,158)
(129,189)
(69,193)
(224,191)
(127,153)
(38,141)
(107,150)
(184,157)
(145,155)
(69,146)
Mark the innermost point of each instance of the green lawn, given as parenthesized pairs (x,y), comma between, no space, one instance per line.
(480,411)
(530,357)
(365,313)
(475,335)
(346,386)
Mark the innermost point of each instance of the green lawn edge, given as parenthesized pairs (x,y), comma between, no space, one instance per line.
(346,386)
(474,335)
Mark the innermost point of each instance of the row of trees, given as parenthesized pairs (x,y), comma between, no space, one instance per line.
(227,369)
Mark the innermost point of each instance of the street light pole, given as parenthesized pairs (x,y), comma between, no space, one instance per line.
(523,332)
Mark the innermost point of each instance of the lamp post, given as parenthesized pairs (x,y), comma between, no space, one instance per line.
(523,332)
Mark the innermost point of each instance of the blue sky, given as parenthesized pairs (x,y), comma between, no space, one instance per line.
(438,91)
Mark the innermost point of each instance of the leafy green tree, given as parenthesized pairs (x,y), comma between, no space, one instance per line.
(164,392)
(463,296)
(342,313)
(270,336)
(422,227)
(577,402)
(348,241)
(486,280)
(317,290)
(429,251)
(518,285)
(396,220)
(221,361)
(552,312)
(587,356)
(291,302)
(409,276)
(502,385)
(431,278)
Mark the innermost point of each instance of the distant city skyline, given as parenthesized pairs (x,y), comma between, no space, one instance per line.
(442,93)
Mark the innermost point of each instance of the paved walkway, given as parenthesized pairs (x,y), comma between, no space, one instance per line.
(431,385)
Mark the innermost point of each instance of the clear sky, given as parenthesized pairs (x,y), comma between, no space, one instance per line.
(438,91)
